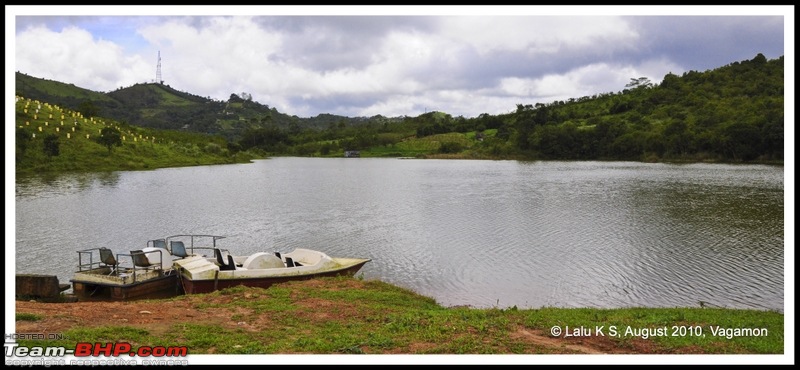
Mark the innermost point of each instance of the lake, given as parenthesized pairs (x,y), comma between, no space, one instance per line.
(464,232)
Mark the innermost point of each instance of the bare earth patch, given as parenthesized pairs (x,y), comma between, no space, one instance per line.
(584,345)
(155,316)
(159,316)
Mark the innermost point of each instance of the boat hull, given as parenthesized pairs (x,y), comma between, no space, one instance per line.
(191,286)
(161,287)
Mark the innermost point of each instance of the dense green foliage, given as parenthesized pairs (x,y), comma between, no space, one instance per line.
(110,137)
(733,113)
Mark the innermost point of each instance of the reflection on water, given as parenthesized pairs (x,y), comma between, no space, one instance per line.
(49,184)
(480,233)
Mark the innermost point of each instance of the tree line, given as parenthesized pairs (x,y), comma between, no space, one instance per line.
(733,113)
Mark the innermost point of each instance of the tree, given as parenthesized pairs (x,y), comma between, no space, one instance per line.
(760,59)
(110,137)
(772,134)
(639,83)
(87,108)
(235,99)
(677,137)
(671,81)
(270,138)
(739,140)
(23,139)
(51,145)
(450,147)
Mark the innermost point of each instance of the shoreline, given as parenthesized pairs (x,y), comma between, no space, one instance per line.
(349,315)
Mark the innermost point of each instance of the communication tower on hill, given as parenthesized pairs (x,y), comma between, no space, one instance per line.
(158,69)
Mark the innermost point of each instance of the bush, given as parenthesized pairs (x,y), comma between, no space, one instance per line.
(51,145)
(212,148)
(450,147)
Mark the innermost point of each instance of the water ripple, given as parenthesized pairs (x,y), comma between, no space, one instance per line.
(481,233)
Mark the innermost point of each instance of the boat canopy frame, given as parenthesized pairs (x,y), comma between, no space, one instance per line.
(193,240)
(133,268)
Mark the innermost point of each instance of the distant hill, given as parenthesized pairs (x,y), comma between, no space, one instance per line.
(160,106)
(59,93)
(734,113)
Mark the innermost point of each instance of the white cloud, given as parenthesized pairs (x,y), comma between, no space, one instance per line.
(462,65)
(538,35)
(74,56)
(584,81)
(218,57)
(399,105)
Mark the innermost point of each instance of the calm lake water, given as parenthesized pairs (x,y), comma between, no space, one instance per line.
(479,233)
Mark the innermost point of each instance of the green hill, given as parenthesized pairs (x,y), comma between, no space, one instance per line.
(733,113)
(160,106)
(50,138)
(58,93)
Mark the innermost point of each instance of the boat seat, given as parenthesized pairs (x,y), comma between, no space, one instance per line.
(159,243)
(140,260)
(218,256)
(108,259)
(289,262)
(231,266)
(178,249)
(224,266)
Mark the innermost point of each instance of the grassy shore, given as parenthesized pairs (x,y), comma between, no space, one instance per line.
(353,316)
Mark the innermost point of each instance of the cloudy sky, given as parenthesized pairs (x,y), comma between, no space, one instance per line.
(394,61)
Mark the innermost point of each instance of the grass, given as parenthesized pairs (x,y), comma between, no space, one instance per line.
(671,328)
(59,89)
(429,146)
(27,317)
(141,149)
(352,316)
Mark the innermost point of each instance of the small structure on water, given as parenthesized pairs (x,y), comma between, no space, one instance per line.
(352,154)
(37,286)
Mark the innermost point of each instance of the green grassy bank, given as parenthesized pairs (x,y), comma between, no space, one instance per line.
(352,316)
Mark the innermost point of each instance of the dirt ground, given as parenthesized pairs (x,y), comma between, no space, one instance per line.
(158,316)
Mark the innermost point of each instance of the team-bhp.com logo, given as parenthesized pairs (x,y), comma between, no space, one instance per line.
(85,350)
